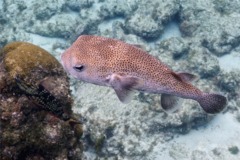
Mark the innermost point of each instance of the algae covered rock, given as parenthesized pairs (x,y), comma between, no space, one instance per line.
(38,75)
(76,5)
(36,106)
(150,17)
(212,24)
(22,58)
(113,8)
(144,26)
(56,26)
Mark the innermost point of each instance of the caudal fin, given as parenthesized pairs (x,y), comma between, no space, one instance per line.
(213,103)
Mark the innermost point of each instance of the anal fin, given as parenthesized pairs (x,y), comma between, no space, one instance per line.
(169,102)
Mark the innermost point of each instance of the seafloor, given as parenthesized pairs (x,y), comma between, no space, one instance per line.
(197,36)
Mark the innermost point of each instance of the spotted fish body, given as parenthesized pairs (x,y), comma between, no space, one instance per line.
(124,67)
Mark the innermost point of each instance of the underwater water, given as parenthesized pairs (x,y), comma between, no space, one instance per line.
(201,37)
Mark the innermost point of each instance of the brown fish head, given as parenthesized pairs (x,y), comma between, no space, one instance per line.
(75,66)
(79,61)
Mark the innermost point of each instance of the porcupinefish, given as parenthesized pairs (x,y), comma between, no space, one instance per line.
(125,67)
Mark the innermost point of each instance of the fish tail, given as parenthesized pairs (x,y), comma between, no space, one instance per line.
(212,103)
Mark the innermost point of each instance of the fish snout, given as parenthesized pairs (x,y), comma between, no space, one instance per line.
(69,63)
(66,61)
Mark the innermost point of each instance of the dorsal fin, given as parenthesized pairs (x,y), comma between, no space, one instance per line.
(184,76)
(176,76)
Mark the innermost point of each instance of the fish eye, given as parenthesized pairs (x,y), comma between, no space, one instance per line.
(78,68)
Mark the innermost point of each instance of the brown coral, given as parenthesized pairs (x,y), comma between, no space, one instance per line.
(34,100)
(38,74)
(22,58)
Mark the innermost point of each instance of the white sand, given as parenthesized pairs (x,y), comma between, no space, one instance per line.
(171,30)
(1,5)
(230,62)
(223,132)
(44,42)
(47,43)
(108,25)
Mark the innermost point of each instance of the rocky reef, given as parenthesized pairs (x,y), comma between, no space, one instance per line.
(207,32)
(36,106)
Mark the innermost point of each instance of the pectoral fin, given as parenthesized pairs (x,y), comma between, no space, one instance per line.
(123,86)
(169,103)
